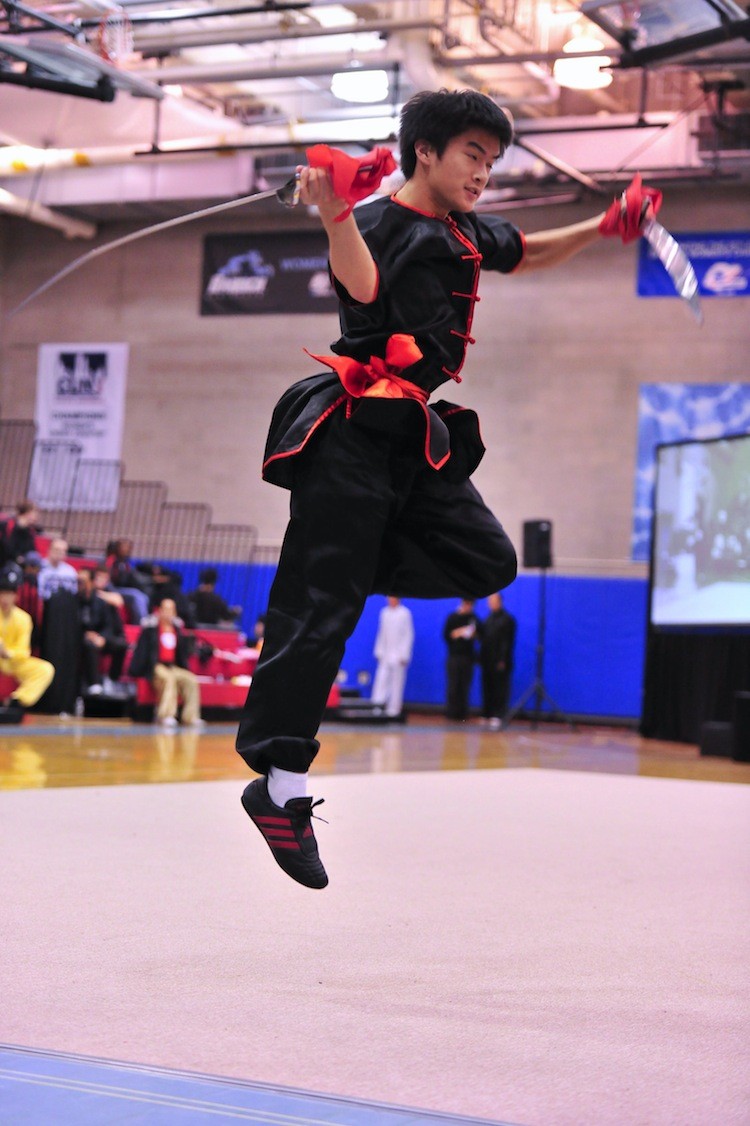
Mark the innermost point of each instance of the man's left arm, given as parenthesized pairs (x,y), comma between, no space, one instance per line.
(623,219)
(557,245)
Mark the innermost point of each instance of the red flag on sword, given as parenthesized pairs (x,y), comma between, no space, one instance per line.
(353,178)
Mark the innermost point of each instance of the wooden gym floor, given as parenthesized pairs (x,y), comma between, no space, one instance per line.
(50,752)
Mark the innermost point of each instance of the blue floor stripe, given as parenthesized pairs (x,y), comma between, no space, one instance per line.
(55,1089)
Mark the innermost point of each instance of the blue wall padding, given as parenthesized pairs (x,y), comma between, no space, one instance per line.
(594,643)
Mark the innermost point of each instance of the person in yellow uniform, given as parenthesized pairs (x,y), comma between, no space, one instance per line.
(34,676)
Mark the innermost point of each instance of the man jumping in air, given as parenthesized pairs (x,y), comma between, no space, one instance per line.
(381,496)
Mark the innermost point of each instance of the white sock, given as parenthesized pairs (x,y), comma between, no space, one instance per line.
(285,784)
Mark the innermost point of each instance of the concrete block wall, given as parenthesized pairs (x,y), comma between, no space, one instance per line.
(554,375)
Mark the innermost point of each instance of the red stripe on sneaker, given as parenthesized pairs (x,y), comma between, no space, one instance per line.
(269,831)
(271,820)
(308,831)
(283,844)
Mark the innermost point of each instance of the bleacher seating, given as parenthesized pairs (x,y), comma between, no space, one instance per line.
(181,533)
(224,678)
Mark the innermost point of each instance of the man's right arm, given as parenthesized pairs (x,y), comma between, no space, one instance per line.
(18,641)
(352,263)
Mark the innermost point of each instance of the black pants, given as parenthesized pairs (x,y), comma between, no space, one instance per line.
(367,516)
(459,674)
(495,691)
(90,660)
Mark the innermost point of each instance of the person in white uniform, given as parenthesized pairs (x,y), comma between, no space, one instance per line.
(393,649)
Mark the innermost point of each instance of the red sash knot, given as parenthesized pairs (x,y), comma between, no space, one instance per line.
(380,378)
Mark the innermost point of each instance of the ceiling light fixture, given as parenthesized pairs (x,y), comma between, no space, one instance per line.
(361,86)
(583,73)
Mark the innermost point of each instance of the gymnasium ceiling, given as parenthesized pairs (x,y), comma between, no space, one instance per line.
(150,108)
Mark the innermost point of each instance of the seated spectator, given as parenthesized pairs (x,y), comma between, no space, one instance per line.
(209,608)
(34,676)
(259,630)
(168,584)
(105,590)
(56,574)
(131,583)
(20,538)
(102,634)
(161,656)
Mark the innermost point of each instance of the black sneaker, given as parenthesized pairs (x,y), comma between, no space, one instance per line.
(12,711)
(288,833)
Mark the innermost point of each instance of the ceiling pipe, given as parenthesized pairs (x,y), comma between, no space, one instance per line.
(38,213)
(246,34)
(558,165)
(19,161)
(198,74)
(519,59)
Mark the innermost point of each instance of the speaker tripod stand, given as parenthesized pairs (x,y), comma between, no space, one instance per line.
(537,688)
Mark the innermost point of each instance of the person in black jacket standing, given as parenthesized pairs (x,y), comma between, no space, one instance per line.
(460,633)
(496,658)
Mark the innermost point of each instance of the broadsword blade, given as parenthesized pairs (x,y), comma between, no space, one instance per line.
(288,195)
(676,262)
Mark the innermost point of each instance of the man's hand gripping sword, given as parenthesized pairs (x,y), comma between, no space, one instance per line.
(632,215)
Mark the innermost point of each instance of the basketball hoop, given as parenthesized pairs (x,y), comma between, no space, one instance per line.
(115,36)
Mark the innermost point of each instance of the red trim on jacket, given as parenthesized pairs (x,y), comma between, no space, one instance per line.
(472,298)
(309,434)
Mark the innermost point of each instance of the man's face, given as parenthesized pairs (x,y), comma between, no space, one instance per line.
(58,549)
(85,584)
(457,179)
(7,600)
(167,612)
(101,580)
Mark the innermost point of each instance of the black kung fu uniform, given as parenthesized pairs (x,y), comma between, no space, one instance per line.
(381,500)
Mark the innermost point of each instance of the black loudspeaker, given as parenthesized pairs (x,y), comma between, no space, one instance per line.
(741,724)
(537,543)
(716,739)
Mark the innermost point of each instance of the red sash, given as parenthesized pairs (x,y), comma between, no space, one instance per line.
(380,378)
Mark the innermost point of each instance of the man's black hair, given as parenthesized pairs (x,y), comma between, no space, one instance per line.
(439,117)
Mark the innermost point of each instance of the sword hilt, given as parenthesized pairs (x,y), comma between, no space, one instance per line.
(289,193)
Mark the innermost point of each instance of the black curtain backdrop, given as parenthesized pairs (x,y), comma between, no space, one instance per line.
(691,679)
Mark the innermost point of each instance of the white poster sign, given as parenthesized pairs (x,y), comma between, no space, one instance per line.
(80,410)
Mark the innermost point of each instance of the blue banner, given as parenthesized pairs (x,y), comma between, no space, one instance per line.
(721,260)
